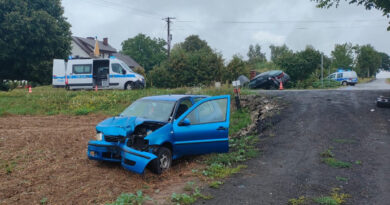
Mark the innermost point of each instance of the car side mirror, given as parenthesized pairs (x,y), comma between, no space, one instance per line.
(123,71)
(185,122)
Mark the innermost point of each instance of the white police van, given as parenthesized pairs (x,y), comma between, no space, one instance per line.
(109,73)
(345,77)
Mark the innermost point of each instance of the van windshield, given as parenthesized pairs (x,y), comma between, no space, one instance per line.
(126,67)
(157,110)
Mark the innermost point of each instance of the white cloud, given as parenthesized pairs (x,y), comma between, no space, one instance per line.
(269,38)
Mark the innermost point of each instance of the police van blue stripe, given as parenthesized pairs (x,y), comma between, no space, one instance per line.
(90,76)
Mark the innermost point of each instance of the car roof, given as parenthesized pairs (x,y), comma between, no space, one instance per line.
(171,97)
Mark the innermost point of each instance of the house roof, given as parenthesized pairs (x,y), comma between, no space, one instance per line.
(127,59)
(89,44)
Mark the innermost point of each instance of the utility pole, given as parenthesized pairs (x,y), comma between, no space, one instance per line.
(169,35)
(322,70)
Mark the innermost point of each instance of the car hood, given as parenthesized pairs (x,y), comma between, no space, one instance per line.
(119,126)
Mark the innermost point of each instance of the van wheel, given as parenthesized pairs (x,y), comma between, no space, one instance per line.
(129,86)
(162,162)
(345,83)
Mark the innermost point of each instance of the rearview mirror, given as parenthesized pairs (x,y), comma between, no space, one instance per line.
(185,122)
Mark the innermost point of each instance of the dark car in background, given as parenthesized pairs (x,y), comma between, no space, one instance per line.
(269,80)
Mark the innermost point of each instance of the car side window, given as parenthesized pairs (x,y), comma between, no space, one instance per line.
(332,76)
(209,112)
(183,107)
(340,75)
(117,68)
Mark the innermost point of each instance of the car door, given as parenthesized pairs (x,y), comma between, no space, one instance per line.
(204,128)
(80,75)
(117,74)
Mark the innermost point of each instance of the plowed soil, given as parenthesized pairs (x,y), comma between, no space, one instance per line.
(44,158)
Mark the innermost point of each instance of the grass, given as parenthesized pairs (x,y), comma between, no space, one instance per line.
(388,80)
(130,199)
(335,198)
(215,184)
(46,100)
(365,80)
(184,199)
(342,179)
(299,201)
(329,158)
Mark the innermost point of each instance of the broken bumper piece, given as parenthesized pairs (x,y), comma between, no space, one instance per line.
(131,159)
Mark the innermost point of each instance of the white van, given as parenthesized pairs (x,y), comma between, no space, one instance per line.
(345,77)
(88,73)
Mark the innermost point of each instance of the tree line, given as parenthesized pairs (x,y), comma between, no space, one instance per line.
(35,32)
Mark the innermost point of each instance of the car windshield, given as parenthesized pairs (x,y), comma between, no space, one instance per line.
(157,110)
(126,67)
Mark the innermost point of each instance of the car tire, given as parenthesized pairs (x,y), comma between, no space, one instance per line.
(163,161)
(129,86)
(344,83)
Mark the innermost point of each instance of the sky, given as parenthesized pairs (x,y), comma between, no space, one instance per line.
(231,26)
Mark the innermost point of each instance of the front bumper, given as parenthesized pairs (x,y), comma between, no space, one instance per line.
(131,159)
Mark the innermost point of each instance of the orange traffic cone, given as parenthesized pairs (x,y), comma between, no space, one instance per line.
(29,89)
(96,89)
(281,85)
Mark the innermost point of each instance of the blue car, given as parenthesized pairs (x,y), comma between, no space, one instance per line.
(155,130)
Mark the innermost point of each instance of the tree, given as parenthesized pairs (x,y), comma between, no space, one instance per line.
(235,68)
(342,56)
(382,5)
(33,33)
(192,63)
(194,43)
(148,52)
(385,61)
(255,55)
(277,51)
(368,60)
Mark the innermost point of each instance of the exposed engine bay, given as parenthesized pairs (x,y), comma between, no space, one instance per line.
(136,139)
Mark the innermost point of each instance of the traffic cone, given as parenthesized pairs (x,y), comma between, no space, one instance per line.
(281,85)
(96,89)
(29,89)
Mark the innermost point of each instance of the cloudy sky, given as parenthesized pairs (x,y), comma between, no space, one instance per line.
(231,26)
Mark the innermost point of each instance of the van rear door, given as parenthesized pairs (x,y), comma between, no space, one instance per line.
(58,78)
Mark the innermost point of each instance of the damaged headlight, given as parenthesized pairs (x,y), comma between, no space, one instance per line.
(99,136)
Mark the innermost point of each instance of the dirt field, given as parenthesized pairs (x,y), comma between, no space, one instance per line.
(345,121)
(45,157)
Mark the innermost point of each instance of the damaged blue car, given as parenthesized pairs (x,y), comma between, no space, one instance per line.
(155,130)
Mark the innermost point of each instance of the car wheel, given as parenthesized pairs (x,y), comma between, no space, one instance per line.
(344,83)
(163,160)
(129,86)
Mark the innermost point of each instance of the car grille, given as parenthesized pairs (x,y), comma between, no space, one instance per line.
(114,138)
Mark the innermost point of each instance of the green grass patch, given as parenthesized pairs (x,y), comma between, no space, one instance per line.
(8,166)
(239,119)
(336,163)
(342,179)
(335,198)
(299,201)
(388,80)
(365,80)
(46,100)
(129,199)
(215,184)
(184,199)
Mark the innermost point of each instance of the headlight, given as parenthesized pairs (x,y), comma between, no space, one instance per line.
(99,136)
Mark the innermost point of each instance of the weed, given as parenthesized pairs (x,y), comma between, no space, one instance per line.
(188,198)
(358,162)
(220,171)
(327,153)
(189,186)
(215,184)
(335,198)
(336,163)
(239,120)
(299,201)
(342,179)
(8,166)
(131,199)
(43,200)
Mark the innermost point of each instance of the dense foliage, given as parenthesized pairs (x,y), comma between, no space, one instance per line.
(382,5)
(148,52)
(33,33)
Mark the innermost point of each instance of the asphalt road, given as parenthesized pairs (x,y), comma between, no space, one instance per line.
(346,121)
(378,84)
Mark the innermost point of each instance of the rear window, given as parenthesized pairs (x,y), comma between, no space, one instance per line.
(82,69)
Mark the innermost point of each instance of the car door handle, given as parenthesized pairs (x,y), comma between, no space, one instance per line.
(222,128)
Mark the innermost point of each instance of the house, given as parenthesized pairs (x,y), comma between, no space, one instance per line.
(83,48)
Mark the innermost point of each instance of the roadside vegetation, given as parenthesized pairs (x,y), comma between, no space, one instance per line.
(388,80)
